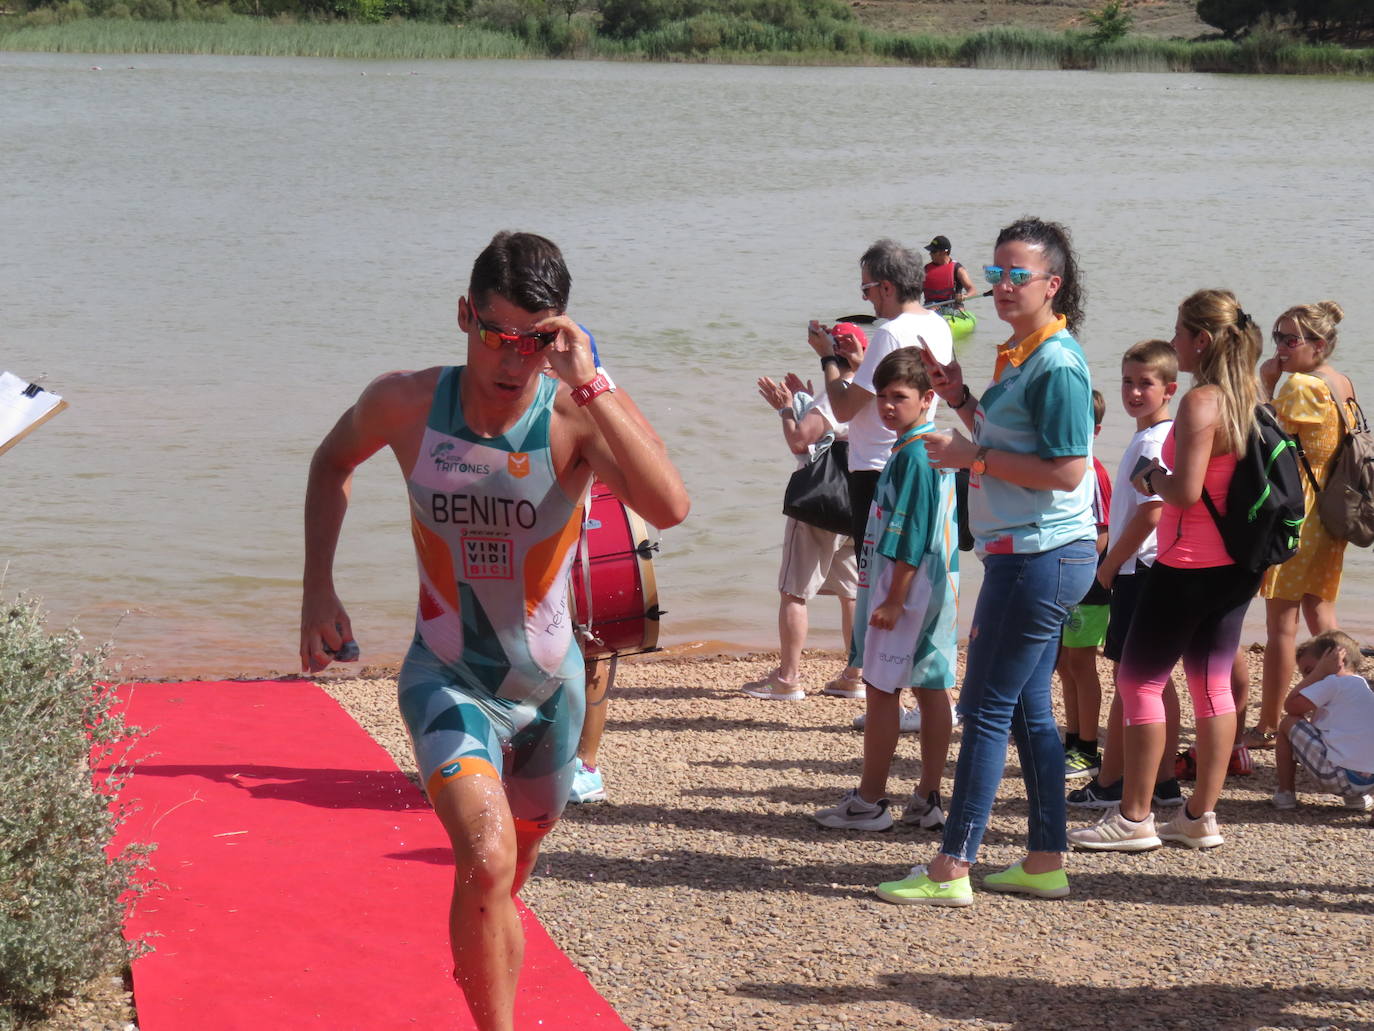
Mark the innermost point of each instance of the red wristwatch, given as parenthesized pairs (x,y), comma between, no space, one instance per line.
(594,387)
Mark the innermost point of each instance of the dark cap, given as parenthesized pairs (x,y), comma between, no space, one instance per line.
(940,243)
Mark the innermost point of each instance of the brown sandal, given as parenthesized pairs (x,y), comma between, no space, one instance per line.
(1256,738)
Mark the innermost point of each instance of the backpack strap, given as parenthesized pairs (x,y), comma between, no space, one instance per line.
(1348,425)
(1302,457)
(1250,440)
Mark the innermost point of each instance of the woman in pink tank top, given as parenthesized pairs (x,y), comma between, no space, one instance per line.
(1194,598)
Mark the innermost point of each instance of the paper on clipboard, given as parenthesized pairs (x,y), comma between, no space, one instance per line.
(24,406)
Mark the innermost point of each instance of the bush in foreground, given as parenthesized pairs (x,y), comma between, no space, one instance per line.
(62,898)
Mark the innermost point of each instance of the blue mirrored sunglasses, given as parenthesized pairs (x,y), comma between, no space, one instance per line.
(1018,276)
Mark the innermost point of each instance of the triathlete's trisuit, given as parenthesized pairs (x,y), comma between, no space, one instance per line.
(493,682)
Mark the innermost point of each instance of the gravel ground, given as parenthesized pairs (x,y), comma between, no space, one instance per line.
(703,895)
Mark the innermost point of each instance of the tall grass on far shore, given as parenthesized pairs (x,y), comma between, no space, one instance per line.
(254,36)
(712,36)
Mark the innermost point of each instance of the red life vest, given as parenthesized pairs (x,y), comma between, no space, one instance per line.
(940,284)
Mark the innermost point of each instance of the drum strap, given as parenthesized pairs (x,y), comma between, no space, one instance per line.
(584,630)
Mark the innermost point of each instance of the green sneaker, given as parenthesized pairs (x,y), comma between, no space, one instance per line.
(919,890)
(1051,885)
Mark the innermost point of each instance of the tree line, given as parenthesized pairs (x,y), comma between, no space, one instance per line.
(559,25)
(1336,21)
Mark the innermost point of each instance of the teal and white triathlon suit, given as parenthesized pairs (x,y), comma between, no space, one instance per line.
(911,520)
(494,682)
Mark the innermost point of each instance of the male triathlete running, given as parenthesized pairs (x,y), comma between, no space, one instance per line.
(496,458)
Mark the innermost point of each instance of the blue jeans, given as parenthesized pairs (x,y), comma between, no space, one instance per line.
(1013,644)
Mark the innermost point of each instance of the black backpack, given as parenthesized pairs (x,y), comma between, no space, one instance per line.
(1264,504)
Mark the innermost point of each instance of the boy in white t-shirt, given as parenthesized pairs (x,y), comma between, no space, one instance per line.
(1149,380)
(1329,728)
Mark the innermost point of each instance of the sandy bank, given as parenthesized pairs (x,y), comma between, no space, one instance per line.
(703,896)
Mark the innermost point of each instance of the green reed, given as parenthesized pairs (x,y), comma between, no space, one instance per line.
(712,36)
(250,36)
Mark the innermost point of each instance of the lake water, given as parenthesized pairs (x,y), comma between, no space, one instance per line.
(210,257)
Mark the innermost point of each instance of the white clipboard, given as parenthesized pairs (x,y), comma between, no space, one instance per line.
(24,406)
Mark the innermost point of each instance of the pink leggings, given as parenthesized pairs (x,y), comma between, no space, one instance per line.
(1189,614)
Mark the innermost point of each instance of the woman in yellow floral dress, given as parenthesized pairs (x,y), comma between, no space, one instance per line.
(1304,339)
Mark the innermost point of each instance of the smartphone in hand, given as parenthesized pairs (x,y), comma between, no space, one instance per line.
(348,652)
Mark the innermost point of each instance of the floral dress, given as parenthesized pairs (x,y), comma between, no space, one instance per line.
(1307,411)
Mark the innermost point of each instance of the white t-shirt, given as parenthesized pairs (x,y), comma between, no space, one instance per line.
(1147,443)
(1345,716)
(870,442)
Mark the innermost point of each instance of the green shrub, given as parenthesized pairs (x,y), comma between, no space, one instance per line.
(153,10)
(62,899)
(1110,23)
(504,15)
(39,18)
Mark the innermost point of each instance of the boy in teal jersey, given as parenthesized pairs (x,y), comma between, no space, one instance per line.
(496,458)
(906,614)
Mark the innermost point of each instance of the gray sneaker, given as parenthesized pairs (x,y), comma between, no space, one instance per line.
(1360,803)
(854,814)
(926,813)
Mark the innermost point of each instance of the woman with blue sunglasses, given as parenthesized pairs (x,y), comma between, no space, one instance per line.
(1030,510)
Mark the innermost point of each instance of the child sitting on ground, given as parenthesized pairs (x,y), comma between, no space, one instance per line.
(905,617)
(1084,632)
(1329,728)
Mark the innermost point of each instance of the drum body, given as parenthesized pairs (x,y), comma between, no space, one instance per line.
(614,568)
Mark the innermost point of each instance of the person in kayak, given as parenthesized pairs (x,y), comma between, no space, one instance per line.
(947,282)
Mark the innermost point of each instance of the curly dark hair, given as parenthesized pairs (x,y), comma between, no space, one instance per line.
(1054,240)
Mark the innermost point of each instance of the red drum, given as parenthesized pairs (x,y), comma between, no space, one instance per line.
(614,565)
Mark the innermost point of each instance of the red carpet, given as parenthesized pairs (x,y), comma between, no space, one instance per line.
(302,880)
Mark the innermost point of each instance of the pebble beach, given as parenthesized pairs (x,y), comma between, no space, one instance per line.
(702,895)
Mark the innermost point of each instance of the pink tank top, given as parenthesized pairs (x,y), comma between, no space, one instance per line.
(1188,537)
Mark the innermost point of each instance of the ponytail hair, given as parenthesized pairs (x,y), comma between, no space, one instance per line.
(1053,239)
(1316,320)
(1229,362)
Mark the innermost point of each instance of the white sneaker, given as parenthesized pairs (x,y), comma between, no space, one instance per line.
(926,813)
(1285,800)
(1360,803)
(1199,833)
(773,688)
(855,814)
(1115,833)
(909,723)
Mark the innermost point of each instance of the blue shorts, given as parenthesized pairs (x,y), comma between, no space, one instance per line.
(457,730)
